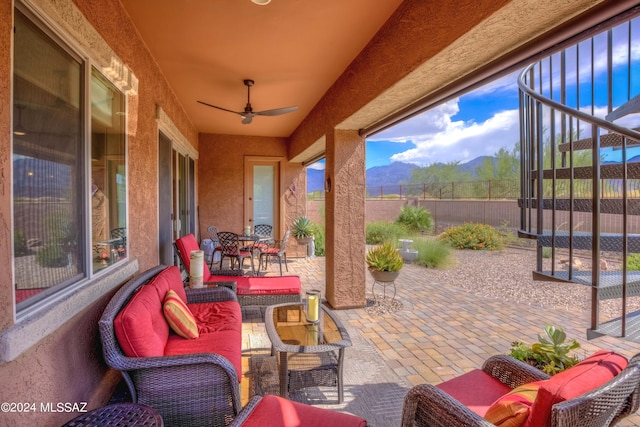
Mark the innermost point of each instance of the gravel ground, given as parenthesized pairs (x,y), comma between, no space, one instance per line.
(507,274)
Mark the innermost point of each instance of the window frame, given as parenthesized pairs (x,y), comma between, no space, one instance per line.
(44,305)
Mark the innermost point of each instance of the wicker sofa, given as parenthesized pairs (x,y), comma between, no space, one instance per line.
(567,399)
(190,382)
(251,290)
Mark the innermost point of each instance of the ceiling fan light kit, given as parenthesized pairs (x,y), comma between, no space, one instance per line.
(261,2)
(248,114)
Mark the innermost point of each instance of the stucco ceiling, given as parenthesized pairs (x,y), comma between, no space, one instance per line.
(294,50)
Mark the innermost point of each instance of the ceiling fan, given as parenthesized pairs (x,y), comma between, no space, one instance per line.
(248,114)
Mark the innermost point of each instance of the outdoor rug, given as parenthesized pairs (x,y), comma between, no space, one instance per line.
(371,390)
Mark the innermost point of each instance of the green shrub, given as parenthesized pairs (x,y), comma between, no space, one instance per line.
(432,253)
(382,231)
(319,238)
(20,243)
(473,236)
(550,354)
(302,228)
(633,262)
(385,258)
(415,219)
(546,252)
(52,255)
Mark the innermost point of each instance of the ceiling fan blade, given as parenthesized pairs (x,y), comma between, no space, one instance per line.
(223,109)
(276,111)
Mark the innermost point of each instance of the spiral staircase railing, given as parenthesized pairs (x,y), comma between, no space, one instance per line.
(579,122)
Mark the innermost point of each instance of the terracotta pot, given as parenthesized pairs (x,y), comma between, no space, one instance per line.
(384,276)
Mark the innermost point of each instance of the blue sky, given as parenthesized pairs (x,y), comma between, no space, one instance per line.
(485,120)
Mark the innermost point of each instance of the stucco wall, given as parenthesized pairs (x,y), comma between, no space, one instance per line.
(66,365)
(6,290)
(221,181)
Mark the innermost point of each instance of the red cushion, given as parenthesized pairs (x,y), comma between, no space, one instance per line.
(185,245)
(225,343)
(219,316)
(167,280)
(261,285)
(274,411)
(140,326)
(476,390)
(587,375)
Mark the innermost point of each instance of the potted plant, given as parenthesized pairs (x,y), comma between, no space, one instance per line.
(384,262)
(550,354)
(302,230)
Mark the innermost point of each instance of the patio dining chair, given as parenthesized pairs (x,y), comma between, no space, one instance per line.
(278,251)
(217,247)
(232,249)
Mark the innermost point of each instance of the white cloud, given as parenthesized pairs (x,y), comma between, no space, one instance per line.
(439,138)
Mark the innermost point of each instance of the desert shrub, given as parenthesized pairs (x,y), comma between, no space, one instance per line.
(546,252)
(319,238)
(432,253)
(473,236)
(52,255)
(20,243)
(381,231)
(415,219)
(633,262)
(550,354)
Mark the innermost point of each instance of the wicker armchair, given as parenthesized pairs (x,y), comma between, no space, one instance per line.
(427,405)
(187,390)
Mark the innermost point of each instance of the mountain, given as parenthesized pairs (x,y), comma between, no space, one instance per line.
(395,173)
(389,175)
(41,178)
(472,165)
(315,180)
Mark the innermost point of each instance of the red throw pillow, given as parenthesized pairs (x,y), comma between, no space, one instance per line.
(179,317)
(587,375)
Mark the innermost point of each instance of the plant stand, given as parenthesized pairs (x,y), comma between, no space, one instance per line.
(384,289)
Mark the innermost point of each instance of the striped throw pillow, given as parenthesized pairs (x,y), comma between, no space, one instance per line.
(178,316)
(512,409)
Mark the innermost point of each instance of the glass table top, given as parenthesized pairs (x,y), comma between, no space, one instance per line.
(293,329)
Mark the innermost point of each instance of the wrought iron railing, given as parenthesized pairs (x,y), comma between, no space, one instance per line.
(579,109)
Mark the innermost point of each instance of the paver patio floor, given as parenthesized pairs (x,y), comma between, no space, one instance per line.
(442,331)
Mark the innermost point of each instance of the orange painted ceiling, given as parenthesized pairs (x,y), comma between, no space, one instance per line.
(294,50)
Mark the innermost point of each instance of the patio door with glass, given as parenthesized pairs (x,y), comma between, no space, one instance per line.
(176,209)
(262,192)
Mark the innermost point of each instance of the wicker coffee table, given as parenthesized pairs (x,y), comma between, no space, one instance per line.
(309,354)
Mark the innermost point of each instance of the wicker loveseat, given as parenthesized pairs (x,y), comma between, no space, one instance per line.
(561,401)
(190,382)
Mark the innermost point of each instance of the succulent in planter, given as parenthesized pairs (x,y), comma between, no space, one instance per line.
(302,228)
(550,354)
(384,262)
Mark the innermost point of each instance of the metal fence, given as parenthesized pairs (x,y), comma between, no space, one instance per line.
(485,190)
(500,190)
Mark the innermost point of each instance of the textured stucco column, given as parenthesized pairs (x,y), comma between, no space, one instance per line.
(344,208)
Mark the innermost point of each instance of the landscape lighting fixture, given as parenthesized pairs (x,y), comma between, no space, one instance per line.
(261,2)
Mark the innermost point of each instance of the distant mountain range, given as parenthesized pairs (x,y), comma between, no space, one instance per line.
(41,178)
(394,174)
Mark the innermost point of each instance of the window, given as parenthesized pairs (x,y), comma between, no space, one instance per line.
(68,124)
